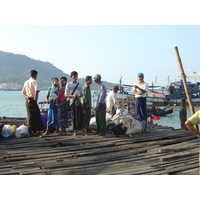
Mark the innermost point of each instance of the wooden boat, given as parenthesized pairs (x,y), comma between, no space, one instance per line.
(174,92)
(170,95)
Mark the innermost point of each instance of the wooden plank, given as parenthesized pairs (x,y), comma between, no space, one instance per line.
(97,155)
(178,155)
(176,161)
(194,171)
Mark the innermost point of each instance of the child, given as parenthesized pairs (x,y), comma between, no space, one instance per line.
(52,115)
(53,92)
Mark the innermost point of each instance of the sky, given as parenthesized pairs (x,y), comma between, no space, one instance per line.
(110,50)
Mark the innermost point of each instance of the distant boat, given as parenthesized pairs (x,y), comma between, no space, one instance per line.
(174,92)
(169,95)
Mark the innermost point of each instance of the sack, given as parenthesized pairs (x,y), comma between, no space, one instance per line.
(146,127)
(133,126)
(7,131)
(119,129)
(22,131)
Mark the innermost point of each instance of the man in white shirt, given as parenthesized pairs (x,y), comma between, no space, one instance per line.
(140,89)
(74,91)
(111,101)
(30,91)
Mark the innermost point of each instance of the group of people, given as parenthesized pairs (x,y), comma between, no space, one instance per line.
(61,99)
(64,96)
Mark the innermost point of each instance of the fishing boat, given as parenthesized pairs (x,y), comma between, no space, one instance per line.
(174,92)
(169,95)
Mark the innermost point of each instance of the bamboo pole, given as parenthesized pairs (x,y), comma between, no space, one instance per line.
(197,77)
(193,71)
(184,82)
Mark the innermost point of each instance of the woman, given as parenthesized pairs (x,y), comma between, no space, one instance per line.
(63,108)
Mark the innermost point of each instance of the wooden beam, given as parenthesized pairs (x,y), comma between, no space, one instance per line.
(193,71)
(185,82)
(197,77)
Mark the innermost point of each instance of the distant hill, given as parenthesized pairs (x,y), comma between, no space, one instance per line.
(15,68)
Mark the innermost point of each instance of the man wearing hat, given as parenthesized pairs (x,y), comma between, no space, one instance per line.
(111,102)
(101,106)
(140,89)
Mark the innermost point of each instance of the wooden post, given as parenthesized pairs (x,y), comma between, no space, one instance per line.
(184,82)
(183,113)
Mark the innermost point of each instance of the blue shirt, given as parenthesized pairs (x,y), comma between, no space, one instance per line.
(101,93)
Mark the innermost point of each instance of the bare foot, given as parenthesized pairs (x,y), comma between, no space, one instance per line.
(74,135)
(85,134)
(43,134)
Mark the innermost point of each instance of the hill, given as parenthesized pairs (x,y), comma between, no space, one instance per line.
(15,70)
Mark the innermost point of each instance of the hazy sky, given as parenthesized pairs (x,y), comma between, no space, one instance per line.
(109,50)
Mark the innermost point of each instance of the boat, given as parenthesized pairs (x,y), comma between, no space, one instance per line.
(169,95)
(160,111)
(174,92)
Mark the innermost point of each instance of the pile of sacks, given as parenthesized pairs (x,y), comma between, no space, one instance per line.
(8,131)
(123,123)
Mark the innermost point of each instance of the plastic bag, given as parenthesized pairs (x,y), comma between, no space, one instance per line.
(133,126)
(22,131)
(7,131)
(15,129)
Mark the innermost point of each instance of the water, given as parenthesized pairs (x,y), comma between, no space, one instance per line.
(13,105)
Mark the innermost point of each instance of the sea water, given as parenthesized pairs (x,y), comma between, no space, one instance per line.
(12,104)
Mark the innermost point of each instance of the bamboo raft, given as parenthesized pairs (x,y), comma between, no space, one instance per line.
(163,151)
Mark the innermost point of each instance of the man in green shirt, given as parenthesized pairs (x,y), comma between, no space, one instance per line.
(87,102)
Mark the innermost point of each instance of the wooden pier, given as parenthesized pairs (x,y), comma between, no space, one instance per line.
(163,151)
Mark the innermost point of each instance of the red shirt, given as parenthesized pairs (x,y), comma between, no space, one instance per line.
(62,95)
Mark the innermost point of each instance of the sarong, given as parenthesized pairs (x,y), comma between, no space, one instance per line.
(101,120)
(52,116)
(77,115)
(63,114)
(33,120)
(140,104)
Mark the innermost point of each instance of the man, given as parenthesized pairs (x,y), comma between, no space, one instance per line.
(111,102)
(140,89)
(194,120)
(101,107)
(74,91)
(30,91)
(87,102)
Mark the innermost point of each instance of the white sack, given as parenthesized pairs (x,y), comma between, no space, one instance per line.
(22,131)
(133,126)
